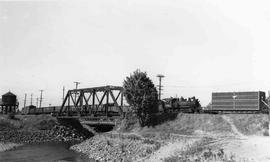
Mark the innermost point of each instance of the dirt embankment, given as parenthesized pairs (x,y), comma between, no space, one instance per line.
(38,128)
(209,124)
(185,137)
(209,137)
(251,124)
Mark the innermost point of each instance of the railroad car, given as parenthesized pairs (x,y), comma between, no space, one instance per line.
(33,110)
(27,109)
(238,102)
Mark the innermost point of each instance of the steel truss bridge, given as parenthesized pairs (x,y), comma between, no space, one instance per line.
(93,104)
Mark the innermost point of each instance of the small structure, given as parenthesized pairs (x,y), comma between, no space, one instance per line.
(9,103)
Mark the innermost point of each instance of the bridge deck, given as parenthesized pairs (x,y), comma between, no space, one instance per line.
(93,121)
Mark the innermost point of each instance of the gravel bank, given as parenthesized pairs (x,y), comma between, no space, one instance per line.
(38,129)
(112,148)
(58,133)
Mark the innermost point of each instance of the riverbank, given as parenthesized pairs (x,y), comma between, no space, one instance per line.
(5,146)
(40,128)
(188,137)
(117,147)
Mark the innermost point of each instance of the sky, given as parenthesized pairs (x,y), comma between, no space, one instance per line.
(200,46)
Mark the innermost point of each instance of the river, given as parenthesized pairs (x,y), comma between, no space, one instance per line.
(45,152)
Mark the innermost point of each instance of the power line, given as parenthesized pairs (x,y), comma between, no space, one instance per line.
(206,86)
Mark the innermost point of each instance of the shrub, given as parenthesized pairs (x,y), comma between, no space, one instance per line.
(141,94)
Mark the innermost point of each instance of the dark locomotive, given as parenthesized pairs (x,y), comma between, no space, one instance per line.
(190,105)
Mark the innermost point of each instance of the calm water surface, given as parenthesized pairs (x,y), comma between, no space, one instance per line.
(46,152)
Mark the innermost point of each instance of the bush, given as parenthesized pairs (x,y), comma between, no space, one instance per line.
(141,94)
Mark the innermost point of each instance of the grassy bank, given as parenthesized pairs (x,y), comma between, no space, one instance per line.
(200,124)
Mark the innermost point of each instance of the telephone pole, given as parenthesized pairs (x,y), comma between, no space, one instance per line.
(37,102)
(31,98)
(40,100)
(76,83)
(25,95)
(63,93)
(160,86)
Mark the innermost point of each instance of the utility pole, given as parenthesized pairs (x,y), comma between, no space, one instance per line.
(160,86)
(31,98)
(63,93)
(25,95)
(40,100)
(76,83)
(37,102)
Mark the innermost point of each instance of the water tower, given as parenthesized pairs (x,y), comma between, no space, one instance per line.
(9,103)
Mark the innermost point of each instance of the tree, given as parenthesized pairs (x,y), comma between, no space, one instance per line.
(141,94)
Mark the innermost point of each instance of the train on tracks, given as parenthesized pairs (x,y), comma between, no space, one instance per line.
(54,110)
(250,102)
(190,105)
(222,102)
(33,110)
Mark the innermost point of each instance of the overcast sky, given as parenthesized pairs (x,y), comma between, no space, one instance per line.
(200,46)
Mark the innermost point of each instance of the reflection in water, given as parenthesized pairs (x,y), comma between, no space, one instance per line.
(48,152)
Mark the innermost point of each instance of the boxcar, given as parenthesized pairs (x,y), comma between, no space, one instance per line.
(238,102)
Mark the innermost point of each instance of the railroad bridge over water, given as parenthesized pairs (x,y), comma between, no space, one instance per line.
(96,106)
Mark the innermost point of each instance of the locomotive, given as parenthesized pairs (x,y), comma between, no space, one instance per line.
(190,105)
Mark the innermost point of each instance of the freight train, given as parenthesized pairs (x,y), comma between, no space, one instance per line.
(190,105)
(222,102)
(250,102)
(54,110)
(33,110)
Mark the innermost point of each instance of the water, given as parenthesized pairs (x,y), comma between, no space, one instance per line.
(46,152)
